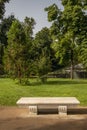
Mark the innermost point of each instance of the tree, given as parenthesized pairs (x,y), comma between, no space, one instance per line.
(74,15)
(2,7)
(4,28)
(13,54)
(18,54)
(42,44)
(67,29)
(2,11)
(1,60)
(83,53)
(28,26)
(5,25)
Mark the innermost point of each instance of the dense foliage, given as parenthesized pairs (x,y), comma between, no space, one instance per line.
(18,53)
(5,25)
(2,7)
(64,44)
(68,30)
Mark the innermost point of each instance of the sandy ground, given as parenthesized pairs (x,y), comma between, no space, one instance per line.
(14,118)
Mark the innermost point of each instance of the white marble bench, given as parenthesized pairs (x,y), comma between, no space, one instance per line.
(61,103)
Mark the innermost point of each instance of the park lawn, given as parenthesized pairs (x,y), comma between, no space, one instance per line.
(11,91)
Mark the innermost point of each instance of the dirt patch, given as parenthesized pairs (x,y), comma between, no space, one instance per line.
(14,118)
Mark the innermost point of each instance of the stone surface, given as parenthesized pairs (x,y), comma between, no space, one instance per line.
(62,110)
(48,100)
(32,110)
(61,103)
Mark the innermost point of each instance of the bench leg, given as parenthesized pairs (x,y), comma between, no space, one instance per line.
(62,110)
(32,110)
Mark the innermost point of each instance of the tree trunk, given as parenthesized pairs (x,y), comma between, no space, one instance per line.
(19,75)
(72,65)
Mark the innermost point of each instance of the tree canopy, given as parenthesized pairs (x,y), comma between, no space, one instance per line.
(5,25)
(2,7)
(18,54)
(42,43)
(67,30)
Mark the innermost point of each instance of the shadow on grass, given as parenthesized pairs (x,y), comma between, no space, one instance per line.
(66,82)
(59,82)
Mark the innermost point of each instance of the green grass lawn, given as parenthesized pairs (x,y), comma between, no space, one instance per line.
(10,91)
